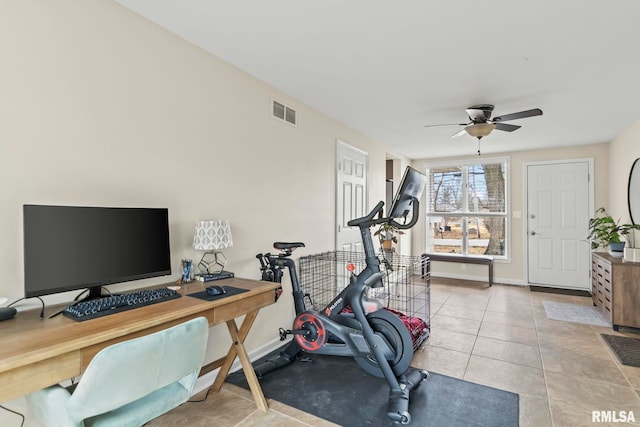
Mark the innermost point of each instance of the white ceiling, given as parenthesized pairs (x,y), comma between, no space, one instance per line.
(387,68)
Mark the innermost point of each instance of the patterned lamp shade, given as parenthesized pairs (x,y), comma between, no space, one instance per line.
(212,234)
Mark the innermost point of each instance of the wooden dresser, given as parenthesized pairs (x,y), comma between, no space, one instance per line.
(615,289)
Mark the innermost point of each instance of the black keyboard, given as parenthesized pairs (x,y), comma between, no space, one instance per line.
(85,310)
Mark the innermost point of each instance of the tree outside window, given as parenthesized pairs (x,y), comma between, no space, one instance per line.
(467,207)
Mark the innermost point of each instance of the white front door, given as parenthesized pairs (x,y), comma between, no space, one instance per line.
(559,203)
(351,195)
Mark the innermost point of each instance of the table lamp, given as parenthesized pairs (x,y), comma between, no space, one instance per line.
(211,236)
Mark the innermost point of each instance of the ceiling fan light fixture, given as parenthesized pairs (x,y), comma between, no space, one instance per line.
(479,130)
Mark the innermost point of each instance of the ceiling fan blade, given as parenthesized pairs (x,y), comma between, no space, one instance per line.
(507,127)
(519,115)
(446,124)
(462,132)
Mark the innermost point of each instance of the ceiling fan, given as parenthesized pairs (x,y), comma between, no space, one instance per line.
(481,124)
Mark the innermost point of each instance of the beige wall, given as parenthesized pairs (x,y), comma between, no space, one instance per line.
(100,107)
(624,150)
(514,271)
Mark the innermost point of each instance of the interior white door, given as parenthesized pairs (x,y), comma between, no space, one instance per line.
(351,195)
(558,206)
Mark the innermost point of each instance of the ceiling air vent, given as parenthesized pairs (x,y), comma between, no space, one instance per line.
(284,112)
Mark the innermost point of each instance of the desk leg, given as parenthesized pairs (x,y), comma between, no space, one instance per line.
(237,349)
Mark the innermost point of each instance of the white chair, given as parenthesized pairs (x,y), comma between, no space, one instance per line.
(129,383)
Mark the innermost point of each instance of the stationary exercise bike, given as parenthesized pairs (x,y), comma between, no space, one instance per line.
(377,339)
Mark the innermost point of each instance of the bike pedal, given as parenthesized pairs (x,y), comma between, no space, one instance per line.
(283,334)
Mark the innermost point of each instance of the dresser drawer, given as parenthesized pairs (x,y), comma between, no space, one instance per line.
(615,286)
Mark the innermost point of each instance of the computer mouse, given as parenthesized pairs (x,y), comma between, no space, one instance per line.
(215,290)
(7,313)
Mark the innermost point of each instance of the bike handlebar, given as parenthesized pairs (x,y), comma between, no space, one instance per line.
(414,217)
(368,220)
(376,211)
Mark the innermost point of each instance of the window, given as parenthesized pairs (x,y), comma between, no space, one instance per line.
(467,207)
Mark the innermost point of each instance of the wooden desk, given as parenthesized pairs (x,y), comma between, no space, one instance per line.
(36,353)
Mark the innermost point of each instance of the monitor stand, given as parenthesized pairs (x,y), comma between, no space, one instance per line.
(95,292)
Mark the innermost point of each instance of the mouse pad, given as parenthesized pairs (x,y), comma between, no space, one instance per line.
(230,291)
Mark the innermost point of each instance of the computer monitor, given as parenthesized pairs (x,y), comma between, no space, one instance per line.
(411,188)
(71,247)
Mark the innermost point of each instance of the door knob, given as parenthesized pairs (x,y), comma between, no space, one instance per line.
(533,233)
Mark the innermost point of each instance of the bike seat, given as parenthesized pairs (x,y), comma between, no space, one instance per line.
(288,246)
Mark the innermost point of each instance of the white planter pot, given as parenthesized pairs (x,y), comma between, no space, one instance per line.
(632,254)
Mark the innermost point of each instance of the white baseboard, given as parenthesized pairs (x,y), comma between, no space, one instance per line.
(205,381)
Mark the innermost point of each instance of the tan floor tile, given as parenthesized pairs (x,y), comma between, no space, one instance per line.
(509,333)
(510,319)
(631,373)
(220,409)
(534,411)
(441,360)
(270,418)
(455,324)
(581,342)
(452,340)
(578,365)
(469,300)
(439,295)
(237,390)
(506,376)
(464,312)
(516,290)
(435,308)
(567,415)
(588,394)
(299,415)
(562,327)
(505,305)
(519,296)
(521,354)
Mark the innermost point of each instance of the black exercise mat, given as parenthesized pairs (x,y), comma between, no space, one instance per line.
(549,290)
(230,291)
(627,349)
(338,390)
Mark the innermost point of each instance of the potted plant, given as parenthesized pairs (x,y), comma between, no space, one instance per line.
(605,231)
(388,235)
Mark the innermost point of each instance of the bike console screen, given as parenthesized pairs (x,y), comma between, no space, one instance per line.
(411,188)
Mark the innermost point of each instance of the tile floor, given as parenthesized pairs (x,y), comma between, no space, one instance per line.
(497,336)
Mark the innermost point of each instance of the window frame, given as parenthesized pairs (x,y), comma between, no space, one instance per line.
(464,164)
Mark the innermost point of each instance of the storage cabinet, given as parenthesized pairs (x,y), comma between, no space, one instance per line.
(615,289)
